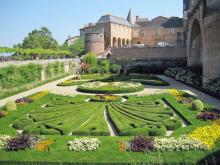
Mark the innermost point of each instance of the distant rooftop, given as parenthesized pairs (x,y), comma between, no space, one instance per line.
(113,19)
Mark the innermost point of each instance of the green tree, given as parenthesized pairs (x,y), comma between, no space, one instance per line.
(41,38)
(76,48)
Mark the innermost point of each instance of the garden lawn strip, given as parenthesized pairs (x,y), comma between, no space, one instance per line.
(96,126)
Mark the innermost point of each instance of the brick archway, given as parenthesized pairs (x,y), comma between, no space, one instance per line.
(114,42)
(196,46)
(119,42)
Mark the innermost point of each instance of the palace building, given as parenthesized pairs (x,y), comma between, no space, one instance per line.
(119,32)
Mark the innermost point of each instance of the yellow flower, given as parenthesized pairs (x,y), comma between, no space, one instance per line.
(43,145)
(176,94)
(38,95)
(207,134)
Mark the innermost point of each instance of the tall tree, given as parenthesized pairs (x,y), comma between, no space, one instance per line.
(41,38)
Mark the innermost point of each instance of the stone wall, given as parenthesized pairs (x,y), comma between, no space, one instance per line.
(149,59)
(203,37)
(149,53)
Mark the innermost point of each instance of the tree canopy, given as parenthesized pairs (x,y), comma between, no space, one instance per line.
(76,48)
(39,39)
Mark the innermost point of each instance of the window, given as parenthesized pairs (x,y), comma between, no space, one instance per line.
(172,31)
(157,32)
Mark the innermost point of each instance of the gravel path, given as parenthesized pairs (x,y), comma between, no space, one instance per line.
(198,94)
(111,127)
(52,86)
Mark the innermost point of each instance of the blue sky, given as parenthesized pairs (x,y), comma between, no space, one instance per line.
(65,17)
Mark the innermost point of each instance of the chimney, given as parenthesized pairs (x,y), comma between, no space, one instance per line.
(137,17)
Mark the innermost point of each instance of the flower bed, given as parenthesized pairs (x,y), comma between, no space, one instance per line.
(106,98)
(84,144)
(209,116)
(170,144)
(183,143)
(24,101)
(21,142)
(38,95)
(3,140)
(185,75)
(43,145)
(110,87)
(207,134)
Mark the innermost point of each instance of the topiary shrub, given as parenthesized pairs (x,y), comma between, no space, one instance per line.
(197,105)
(10,106)
(115,68)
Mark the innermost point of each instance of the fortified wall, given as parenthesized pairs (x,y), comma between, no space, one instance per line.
(149,59)
(94,42)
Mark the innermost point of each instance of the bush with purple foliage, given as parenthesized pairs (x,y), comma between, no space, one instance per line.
(24,100)
(141,144)
(208,116)
(21,142)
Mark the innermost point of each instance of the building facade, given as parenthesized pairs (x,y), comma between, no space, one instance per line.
(120,32)
(202,24)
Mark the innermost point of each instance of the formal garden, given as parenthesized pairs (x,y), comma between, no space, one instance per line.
(110,124)
(111,119)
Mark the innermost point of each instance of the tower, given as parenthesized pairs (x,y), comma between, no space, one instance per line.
(130,18)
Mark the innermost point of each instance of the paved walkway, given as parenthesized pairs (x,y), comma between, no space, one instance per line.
(49,86)
(71,90)
(198,94)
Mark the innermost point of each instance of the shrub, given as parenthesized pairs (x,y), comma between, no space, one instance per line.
(10,106)
(13,76)
(141,144)
(197,105)
(3,140)
(115,69)
(213,85)
(185,75)
(20,142)
(104,66)
(84,144)
(90,58)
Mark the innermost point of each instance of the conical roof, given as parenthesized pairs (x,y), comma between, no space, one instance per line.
(130,18)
